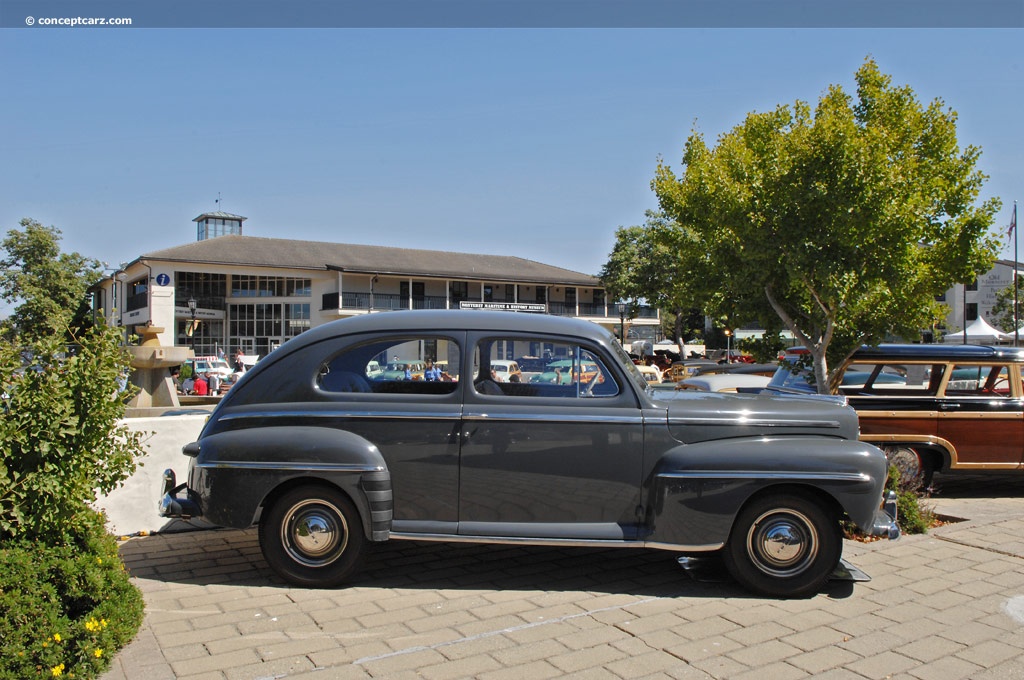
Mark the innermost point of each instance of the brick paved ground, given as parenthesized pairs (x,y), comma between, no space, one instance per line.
(942,606)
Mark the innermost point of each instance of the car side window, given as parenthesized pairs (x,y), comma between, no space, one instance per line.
(979,380)
(564,370)
(395,365)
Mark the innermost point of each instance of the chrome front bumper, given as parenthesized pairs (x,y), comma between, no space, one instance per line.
(885,519)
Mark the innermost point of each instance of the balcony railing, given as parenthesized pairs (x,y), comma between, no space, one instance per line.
(390,301)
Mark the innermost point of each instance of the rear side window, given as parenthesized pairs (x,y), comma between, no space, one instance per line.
(566,370)
(397,365)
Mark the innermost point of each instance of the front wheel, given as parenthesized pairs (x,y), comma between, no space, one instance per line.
(312,537)
(783,546)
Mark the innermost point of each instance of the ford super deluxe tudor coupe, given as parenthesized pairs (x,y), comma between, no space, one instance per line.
(328,454)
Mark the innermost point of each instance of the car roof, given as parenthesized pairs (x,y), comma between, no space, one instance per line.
(941,352)
(932,352)
(453,320)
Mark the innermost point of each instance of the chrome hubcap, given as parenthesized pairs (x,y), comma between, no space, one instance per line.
(782,543)
(315,533)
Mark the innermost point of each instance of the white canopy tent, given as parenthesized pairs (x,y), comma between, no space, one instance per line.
(978,333)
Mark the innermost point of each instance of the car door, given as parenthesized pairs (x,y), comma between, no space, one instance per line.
(982,415)
(549,461)
(413,423)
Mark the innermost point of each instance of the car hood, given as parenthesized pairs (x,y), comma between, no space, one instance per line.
(701,416)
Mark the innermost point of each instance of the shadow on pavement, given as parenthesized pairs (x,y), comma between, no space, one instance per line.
(232,557)
(988,485)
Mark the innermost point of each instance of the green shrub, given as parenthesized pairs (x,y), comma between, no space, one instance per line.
(62,445)
(915,516)
(66,603)
(65,609)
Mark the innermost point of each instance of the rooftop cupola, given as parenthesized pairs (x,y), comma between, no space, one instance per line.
(214,224)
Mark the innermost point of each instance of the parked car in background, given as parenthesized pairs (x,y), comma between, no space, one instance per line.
(530,366)
(374,370)
(506,371)
(210,364)
(651,374)
(401,369)
(932,408)
(328,461)
(725,382)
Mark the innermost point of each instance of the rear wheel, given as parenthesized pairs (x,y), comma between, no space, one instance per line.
(783,545)
(312,537)
(915,470)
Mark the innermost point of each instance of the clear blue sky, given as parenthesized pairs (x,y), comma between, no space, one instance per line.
(536,143)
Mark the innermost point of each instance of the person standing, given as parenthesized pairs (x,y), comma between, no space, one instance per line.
(214,384)
(201,388)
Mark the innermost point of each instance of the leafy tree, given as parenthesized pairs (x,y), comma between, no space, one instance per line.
(844,222)
(642,266)
(50,287)
(1003,317)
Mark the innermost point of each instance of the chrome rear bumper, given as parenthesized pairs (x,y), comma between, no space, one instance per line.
(173,506)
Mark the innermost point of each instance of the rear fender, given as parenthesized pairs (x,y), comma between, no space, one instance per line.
(236,472)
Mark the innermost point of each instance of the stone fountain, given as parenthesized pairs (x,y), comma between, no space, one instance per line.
(150,361)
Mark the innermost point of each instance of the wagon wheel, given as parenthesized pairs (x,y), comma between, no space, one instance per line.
(783,545)
(915,471)
(312,536)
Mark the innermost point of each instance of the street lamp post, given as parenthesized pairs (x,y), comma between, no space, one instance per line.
(622,323)
(192,328)
(728,346)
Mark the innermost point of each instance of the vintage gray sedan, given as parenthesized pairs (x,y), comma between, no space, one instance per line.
(328,456)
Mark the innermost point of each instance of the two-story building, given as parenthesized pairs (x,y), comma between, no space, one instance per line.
(227,291)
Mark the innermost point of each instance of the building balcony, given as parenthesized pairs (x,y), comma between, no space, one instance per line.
(361,302)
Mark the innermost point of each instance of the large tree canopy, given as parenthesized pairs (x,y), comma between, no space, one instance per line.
(844,221)
(48,286)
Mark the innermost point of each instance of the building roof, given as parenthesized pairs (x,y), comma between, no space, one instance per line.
(254,251)
(220,214)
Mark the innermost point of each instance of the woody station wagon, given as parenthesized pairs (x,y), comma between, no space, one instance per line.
(934,408)
(327,457)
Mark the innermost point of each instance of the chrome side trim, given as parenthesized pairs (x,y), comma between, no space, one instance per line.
(854,477)
(732,421)
(553,418)
(551,542)
(287,465)
(455,415)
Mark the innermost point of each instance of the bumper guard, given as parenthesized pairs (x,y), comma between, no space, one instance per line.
(175,507)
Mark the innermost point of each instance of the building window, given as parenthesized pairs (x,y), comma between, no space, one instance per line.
(973,285)
(209,290)
(458,291)
(970,312)
(137,297)
(247,285)
(296,319)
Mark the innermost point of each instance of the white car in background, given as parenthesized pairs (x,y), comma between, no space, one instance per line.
(505,369)
(725,382)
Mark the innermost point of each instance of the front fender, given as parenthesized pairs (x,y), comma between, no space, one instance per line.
(234,472)
(698,489)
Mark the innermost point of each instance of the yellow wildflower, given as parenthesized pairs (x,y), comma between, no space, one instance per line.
(98,653)
(56,637)
(57,670)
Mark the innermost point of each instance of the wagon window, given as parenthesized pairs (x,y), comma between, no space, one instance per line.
(397,365)
(979,380)
(564,370)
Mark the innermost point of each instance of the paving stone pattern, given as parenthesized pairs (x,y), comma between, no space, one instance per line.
(943,606)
